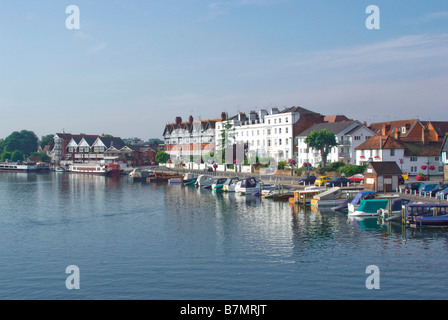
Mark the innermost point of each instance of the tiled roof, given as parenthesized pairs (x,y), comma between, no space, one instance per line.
(335,127)
(381,142)
(386,167)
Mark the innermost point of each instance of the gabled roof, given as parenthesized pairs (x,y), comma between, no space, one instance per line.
(298,110)
(445,145)
(392,126)
(419,149)
(385,167)
(335,127)
(381,142)
(112,142)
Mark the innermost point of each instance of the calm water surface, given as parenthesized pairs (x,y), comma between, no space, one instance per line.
(140,241)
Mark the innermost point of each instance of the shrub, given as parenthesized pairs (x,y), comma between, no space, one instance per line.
(350,170)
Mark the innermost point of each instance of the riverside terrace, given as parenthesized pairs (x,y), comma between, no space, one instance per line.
(293,182)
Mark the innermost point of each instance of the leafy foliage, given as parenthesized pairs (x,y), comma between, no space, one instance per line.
(322,141)
(162,157)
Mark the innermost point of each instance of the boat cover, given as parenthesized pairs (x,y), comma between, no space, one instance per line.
(372,206)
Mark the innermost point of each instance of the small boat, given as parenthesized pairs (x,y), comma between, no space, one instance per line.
(397,207)
(278,193)
(421,215)
(264,188)
(175,181)
(334,196)
(230,184)
(370,208)
(217,184)
(140,175)
(303,196)
(248,186)
(367,195)
(189,178)
(204,181)
(60,169)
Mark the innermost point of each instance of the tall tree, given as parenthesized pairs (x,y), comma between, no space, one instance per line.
(24,141)
(322,141)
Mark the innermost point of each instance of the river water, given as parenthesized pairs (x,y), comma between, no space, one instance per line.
(170,242)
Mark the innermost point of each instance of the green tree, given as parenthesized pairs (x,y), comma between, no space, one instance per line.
(162,157)
(42,155)
(17,155)
(5,155)
(322,141)
(24,141)
(47,140)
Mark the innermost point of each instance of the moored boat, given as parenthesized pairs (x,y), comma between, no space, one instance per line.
(230,184)
(217,183)
(333,196)
(95,168)
(204,181)
(303,196)
(370,208)
(139,175)
(353,205)
(396,207)
(18,167)
(248,186)
(421,215)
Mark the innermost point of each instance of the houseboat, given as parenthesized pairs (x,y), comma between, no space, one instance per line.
(303,196)
(109,169)
(18,167)
(421,215)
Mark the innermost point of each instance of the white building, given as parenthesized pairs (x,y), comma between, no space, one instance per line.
(409,155)
(191,140)
(349,135)
(264,134)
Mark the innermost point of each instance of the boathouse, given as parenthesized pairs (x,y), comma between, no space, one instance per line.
(382,176)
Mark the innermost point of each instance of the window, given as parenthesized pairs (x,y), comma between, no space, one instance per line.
(440,169)
(414,159)
(286,120)
(357,138)
(436,159)
(280,120)
(280,130)
(287,129)
(392,152)
(280,142)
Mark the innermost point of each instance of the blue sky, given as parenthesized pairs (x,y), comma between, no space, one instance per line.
(134,65)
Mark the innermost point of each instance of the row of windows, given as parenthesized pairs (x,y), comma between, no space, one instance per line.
(269,131)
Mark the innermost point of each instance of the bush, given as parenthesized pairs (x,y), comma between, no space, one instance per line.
(331,167)
(350,170)
(281,165)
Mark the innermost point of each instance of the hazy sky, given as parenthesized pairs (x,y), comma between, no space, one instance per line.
(135,65)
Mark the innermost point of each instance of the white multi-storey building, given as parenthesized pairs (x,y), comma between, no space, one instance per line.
(264,135)
(349,135)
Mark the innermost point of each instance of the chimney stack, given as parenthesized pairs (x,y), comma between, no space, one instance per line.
(190,119)
(223,116)
(178,120)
